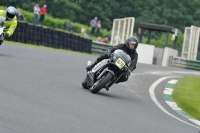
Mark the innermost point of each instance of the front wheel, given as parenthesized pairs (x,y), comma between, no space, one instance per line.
(84,83)
(101,83)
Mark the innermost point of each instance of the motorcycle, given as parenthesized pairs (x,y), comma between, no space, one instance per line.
(107,72)
(2,21)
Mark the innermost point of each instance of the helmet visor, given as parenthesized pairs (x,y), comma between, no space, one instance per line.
(9,16)
(132,45)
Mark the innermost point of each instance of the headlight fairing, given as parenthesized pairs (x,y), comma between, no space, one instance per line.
(120,63)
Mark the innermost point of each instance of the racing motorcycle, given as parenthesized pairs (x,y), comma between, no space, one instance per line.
(107,72)
(2,21)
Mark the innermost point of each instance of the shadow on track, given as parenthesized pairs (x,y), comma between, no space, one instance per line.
(110,95)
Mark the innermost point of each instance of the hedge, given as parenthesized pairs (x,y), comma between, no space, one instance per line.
(57,23)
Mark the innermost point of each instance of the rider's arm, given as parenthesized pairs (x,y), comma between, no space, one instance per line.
(12,27)
(119,46)
(134,62)
(108,53)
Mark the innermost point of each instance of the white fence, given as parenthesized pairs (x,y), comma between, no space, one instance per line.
(146,53)
(122,29)
(190,43)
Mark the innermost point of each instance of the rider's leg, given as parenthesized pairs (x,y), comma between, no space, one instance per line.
(100,58)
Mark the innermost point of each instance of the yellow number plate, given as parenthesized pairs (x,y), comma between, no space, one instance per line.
(120,63)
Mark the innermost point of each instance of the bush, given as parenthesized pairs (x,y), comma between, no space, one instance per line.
(49,21)
(160,43)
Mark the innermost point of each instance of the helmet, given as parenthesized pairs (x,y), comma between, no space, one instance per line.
(132,40)
(11,12)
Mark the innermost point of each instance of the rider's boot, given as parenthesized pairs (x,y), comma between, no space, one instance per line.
(88,68)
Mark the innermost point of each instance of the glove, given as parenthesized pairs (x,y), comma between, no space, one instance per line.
(2,38)
(5,34)
(2,23)
(108,54)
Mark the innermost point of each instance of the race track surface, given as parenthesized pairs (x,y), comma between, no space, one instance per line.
(41,92)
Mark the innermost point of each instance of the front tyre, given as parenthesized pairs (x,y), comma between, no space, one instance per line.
(84,83)
(101,83)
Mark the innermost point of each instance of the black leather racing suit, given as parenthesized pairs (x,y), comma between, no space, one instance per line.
(132,53)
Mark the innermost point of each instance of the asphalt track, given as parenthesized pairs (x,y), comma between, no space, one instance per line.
(41,92)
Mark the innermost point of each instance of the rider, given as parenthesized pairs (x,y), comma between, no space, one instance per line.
(10,21)
(130,48)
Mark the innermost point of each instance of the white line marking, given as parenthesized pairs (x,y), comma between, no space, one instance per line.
(173,105)
(173,81)
(165,73)
(195,121)
(168,91)
(190,73)
(153,97)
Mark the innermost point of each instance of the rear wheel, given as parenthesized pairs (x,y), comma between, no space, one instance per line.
(84,83)
(101,83)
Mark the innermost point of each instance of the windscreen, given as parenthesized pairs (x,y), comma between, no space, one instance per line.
(123,55)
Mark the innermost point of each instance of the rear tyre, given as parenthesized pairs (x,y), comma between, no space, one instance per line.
(101,83)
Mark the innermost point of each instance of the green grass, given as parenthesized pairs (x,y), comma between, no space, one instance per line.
(187,95)
(47,48)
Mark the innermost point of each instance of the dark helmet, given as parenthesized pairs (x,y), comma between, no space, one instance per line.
(11,12)
(132,40)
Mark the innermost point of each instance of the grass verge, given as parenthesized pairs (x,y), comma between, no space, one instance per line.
(187,95)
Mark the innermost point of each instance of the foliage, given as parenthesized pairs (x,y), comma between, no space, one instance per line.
(165,12)
(171,13)
(162,42)
(58,23)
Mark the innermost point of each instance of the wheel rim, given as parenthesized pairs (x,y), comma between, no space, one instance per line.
(96,83)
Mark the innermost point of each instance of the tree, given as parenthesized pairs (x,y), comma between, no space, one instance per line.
(166,12)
